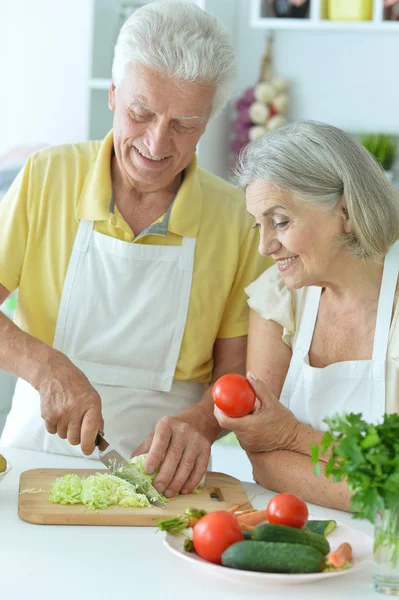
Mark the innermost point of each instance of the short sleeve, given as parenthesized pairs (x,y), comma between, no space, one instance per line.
(14,227)
(272,301)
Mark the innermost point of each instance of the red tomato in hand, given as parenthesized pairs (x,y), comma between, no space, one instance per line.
(214,533)
(287,509)
(233,394)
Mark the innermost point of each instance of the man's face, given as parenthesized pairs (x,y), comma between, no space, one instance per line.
(157,125)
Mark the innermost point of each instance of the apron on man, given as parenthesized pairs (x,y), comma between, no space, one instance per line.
(121,321)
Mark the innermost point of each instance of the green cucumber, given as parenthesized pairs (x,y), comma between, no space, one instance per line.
(321,527)
(273,557)
(247,534)
(269,532)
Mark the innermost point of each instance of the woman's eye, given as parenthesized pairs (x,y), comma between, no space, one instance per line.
(281,225)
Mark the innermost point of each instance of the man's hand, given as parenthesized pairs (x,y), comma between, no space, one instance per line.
(181,445)
(70,406)
(181,450)
(271,426)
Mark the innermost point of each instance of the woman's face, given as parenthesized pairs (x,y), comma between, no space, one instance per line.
(157,125)
(299,236)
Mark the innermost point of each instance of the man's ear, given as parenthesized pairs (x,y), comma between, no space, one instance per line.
(344,214)
(111,97)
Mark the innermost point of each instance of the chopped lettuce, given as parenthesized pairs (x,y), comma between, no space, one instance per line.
(96,492)
(138,462)
(66,490)
(102,489)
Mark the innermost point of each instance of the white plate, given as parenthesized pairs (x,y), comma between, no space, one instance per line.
(361,543)
(2,475)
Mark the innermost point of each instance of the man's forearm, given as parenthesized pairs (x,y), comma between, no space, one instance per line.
(201,416)
(287,471)
(22,354)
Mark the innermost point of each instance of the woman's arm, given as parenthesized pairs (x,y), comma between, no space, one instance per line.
(277,444)
(287,471)
(267,355)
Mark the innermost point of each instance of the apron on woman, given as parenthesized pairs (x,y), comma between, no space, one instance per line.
(121,321)
(350,386)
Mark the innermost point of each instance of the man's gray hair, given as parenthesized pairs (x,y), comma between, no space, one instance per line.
(321,164)
(181,41)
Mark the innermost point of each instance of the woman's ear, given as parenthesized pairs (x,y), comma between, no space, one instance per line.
(344,214)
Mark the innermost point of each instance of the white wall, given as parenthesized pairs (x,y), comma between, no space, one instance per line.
(348,79)
(44,68)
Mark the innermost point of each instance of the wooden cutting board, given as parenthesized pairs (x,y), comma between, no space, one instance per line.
(219,493)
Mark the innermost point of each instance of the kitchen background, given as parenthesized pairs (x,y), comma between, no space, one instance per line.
(340,59)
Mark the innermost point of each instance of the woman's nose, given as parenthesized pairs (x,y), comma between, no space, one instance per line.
(268,244)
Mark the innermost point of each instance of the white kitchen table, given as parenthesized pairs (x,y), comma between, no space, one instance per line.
(51,562)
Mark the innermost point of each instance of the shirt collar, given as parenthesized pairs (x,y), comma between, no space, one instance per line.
(94,200)
(93,203)
(187,206)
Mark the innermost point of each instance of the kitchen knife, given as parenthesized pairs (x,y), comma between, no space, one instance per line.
(123,469)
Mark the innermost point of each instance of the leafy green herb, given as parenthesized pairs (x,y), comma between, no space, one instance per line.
(367,457)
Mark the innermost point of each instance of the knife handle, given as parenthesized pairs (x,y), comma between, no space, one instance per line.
(100,442)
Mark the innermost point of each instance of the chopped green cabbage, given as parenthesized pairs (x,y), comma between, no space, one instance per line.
(96,492)
(101,490)
(138,462)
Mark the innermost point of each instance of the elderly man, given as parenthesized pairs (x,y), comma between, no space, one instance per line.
(131,263)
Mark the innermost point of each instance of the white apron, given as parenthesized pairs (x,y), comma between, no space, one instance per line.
(121,321)
(350,386)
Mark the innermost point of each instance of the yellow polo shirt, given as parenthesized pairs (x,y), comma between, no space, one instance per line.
(59,186)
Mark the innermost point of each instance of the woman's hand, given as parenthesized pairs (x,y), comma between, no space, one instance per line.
(271,426)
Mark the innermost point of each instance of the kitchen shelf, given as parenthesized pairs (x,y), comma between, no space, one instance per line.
(317,21)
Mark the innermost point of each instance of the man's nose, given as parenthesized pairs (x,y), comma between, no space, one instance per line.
(158,139)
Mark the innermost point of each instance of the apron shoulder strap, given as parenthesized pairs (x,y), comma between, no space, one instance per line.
(385,302)
(308,321)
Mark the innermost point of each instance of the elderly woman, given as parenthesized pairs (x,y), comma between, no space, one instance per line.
(131,263)
(324,323)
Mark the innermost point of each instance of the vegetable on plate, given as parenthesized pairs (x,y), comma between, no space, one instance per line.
(214,533)
(273,557)
(287,509)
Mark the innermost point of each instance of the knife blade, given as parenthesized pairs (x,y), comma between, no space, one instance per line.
(123,469)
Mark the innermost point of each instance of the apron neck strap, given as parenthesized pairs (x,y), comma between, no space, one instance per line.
(385,302)
(308,321)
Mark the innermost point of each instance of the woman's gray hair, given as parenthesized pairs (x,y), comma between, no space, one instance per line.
(321,164)
(181,41)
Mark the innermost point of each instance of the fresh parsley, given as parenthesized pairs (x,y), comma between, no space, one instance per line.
(367,457)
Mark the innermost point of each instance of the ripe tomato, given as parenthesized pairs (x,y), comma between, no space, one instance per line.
(233,394)
(214,533)
(287,509)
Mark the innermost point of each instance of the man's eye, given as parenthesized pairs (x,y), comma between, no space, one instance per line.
(138,116)
(183,128)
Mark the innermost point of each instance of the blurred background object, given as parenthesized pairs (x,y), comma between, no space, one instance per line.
(291,9)
(383,148)
(262,107)
(350,10)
